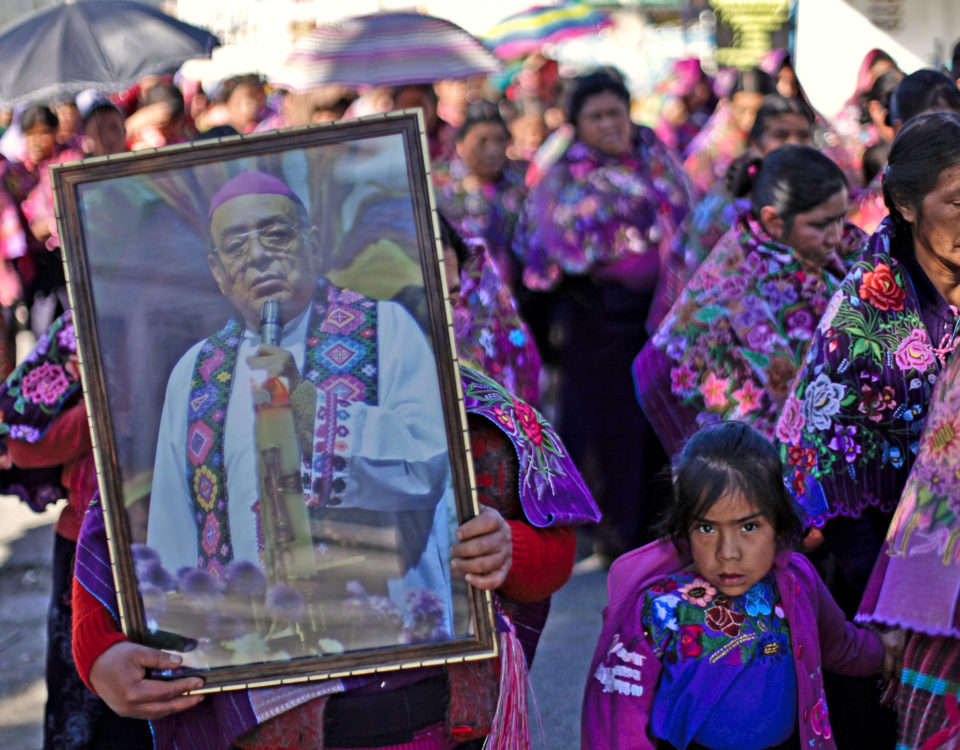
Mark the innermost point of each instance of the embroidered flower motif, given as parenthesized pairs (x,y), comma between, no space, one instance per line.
(915,352)
(714,391)
(698,592)
(880,289)
(505,419)
(791,420)
(772,646)
(683,380)
(690,645)
(757,600)
(67,338)
(833,307)
(874,403)
(45,384)
(942,445)
(748,398)
(724,620)
(843,441)
(822,401)
(663,609)
(820,719)
(529,421)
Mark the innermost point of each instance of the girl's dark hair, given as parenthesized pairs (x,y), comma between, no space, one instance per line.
(881,91)
(451,238)
(479,112)
(923,91)
(775,105)
(425,88)
(591,84)
(792,179)
(725,458)
(38,114)
(754,81)
(234,82)
(923,148)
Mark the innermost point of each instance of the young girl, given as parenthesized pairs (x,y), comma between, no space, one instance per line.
(717,637)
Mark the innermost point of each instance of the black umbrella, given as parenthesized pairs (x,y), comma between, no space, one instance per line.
(104,44)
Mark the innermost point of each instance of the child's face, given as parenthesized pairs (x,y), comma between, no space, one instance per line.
(734,545)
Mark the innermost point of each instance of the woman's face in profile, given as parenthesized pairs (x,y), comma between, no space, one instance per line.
(604,124)
(815,235)
(936,227)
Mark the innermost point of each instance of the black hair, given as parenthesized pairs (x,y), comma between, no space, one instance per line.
(923,148)
(38,113)
(791,179)
(480,112)
(775,105)
(425,88)
(450,237)
(232,84)
(923,91)
(724,458)
(955,62)
(170,95)
(881,91)
(874,159)
(754,81)
(591,84)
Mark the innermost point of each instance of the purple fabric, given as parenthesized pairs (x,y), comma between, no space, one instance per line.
(552,491)
(251,182)
(624,673)
(916,581)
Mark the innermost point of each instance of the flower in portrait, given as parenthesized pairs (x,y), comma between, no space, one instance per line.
(45,384)
(683,380)
(757,601)
(529,421)
(663,609)
(724,620)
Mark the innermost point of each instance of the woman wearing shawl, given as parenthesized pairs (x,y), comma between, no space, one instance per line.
(687,103)
(779,121)
(916,580)
(596,230)
(724,137)
(737,336)
(525,476)
(851,424)
(481,191)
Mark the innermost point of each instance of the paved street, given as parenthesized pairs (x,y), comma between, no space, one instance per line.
(26,542)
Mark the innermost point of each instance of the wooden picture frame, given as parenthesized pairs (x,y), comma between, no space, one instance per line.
(268,536)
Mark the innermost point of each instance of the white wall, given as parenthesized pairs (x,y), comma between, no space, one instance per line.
(834,35)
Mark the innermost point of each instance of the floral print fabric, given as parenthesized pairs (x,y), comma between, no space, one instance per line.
(736,337)
(592,209)
(851,425)
(724,655)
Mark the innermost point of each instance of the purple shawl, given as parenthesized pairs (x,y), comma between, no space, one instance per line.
(916,581)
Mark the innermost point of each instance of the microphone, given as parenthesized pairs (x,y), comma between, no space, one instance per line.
(270,323)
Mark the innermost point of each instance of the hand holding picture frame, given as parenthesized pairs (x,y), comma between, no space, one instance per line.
(277,416)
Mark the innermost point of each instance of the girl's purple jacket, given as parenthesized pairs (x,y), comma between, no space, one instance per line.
(624,672)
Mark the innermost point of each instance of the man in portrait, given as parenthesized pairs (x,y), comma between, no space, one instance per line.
(359,378)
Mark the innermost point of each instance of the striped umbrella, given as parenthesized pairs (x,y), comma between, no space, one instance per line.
(384,49)
(528,31)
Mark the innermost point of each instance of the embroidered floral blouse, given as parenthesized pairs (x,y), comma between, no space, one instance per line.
(735,339)
(722,659)
(851,425)
(487,210)
(592,209)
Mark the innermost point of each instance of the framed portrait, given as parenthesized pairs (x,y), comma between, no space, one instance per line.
(266,347)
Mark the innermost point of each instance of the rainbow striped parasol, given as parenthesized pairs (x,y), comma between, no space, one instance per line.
(529,30)
(385,49)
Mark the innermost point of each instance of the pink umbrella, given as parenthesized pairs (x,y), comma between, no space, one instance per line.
(385,49)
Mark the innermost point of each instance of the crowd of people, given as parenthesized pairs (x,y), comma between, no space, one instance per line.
(741,320)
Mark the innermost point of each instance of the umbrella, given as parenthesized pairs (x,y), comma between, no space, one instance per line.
(528,31)
(104,44)
(385,49)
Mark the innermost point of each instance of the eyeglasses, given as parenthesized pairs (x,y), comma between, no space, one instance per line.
(280,236)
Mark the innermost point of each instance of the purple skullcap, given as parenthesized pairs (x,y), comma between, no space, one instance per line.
(251,182)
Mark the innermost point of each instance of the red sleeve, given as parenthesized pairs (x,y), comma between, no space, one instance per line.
(67,438)
(542,561)
(94,630)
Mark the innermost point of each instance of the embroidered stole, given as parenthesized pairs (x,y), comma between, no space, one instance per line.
(341,359)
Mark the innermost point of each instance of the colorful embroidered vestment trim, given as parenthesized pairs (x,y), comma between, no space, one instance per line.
(341,360)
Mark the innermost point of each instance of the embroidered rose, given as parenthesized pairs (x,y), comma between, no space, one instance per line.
(690,640)
(873,403)
(762,338)
(915,352)
(800,324)
(529,422)
(791,420)
(880,289)
(821,401)
(45,384)
(698,592)
(724,620)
